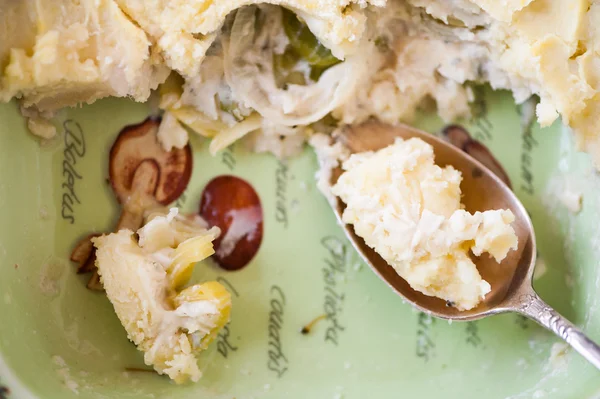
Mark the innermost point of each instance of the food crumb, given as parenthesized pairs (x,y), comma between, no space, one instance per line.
(65,374)
(267,387)
(41,127)
(308,327)
(567,189)
(558,354)
(571,199)
(43,213)
(59,361)
(245,372)
(347,365)
(72,385)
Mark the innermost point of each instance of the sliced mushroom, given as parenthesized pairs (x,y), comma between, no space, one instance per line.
(82,250)
(94,282)
(89,265)
(143,176)
(84,254)
(139,143)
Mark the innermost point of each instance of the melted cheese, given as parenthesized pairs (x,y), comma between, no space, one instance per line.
(59,53)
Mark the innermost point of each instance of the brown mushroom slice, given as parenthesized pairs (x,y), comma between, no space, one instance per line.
(141,196)
(84,254)
(132,217)
(83,250)
(94,283)
(138,143)
(89,265)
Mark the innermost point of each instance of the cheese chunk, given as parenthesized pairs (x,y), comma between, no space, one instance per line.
(547,47)
(502,10)
(142,279)
(60,53)
(408,209)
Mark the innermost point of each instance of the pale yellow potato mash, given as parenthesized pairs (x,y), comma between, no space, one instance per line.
(408,209)
(395,53)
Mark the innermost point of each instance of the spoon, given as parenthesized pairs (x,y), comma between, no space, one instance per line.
(511,281)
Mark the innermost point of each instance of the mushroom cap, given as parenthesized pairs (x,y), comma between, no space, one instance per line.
(138,144)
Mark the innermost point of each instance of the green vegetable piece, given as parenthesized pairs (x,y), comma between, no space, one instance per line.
(305,43)
(287,60)
(316,72)
(283,65)
(296,78)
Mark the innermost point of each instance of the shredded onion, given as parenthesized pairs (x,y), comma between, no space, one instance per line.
(249,72)
(228,136)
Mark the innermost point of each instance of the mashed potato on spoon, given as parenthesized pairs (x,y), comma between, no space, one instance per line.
(408,209)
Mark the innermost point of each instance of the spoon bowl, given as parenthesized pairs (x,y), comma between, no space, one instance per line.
(511,280)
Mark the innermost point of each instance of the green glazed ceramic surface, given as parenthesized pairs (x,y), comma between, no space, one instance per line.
(61,340)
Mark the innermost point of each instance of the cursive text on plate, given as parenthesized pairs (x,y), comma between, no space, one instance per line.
(224,344)
(335,267)
(277,361)
(281,183)
(74,141)
(425,345)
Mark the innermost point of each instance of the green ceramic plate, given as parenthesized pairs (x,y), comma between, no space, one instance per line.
(60,340)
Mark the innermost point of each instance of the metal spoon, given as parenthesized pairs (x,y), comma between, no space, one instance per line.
(511,281)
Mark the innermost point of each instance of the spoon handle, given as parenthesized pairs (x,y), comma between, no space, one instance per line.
(536,309)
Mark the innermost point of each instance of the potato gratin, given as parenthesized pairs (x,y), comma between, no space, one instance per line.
(143,278)
(275,72)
